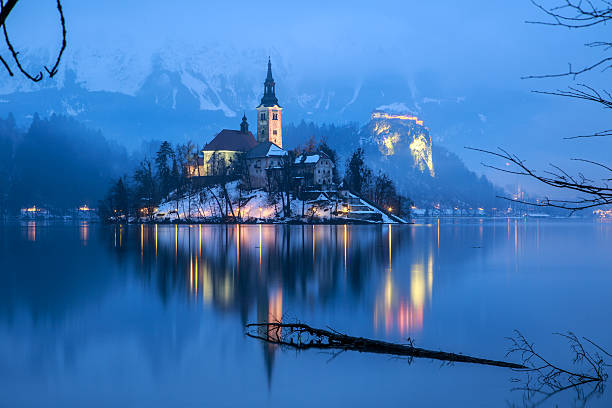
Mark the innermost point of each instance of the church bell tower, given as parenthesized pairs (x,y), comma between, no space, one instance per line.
(269,122)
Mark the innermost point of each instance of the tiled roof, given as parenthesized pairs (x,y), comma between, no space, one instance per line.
(232,140)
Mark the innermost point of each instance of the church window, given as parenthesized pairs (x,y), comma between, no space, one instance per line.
(274,132)
(263,116)
(275,116)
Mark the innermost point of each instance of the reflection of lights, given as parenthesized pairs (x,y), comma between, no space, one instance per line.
(400,312)
(417,286)
(32,231)
(275,306)
(345,236)
(84,232)
(207,286)
(226,292)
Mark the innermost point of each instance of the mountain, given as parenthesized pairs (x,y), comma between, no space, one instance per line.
(190,97)
(397,143)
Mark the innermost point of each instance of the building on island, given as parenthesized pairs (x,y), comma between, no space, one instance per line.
(223,154)
(315,169)
(262,162)
(269,123)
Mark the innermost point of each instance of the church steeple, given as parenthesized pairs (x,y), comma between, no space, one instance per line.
(269,124)
(269,97)
(244,126)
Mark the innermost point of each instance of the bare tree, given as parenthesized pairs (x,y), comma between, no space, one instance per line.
(5,11)
(591,192)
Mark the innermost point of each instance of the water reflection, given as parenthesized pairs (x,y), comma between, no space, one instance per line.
(84,232)
(250,267)
(401,307)
(169,294)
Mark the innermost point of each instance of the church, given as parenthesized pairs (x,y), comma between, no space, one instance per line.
(225,153)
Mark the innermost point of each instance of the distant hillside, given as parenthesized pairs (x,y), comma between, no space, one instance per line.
(400,145)
(57,163)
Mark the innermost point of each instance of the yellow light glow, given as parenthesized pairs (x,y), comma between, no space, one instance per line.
(383,115)
(421,153)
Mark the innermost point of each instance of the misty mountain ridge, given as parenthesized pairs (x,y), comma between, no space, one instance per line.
(190,97)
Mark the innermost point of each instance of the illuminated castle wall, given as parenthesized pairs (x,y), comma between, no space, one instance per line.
(393,133)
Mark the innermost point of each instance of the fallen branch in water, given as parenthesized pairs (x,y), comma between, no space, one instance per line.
(303,337)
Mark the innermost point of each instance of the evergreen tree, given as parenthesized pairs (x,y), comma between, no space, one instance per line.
(162,160)
(119,199)
(146,188)
(358,175)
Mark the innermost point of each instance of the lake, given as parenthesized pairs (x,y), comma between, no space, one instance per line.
(144,315)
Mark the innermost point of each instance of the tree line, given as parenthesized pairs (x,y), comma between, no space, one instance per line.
(56,163)
(172,177)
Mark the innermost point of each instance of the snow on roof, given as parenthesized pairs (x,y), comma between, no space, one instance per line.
(276,151)
(307,158)
(312,159)
(266,149)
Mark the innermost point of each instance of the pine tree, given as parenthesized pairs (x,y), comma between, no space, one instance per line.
(162,159)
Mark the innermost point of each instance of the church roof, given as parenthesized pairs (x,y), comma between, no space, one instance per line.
(266,149)
(232,140)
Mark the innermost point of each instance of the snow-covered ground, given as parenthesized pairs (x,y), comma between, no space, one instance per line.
(259,206)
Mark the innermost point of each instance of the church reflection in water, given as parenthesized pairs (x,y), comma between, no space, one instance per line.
(266,272)
(244,267)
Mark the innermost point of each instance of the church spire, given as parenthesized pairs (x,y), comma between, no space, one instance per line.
(269,76)
(269,97)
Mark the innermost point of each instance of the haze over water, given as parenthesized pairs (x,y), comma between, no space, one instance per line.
(94,315)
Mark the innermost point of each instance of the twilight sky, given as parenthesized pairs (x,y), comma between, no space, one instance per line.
(472,50)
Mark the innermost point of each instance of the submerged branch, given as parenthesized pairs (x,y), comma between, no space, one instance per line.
(303,337)
(546,379)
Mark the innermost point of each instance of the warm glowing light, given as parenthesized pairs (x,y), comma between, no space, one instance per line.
(84,208)
(390,209)
(383,115)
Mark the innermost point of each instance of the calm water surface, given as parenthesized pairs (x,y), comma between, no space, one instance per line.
(153,316)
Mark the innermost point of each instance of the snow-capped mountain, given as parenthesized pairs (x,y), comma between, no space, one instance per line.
(178,96)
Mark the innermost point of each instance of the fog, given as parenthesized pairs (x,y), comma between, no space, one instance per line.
(471,55)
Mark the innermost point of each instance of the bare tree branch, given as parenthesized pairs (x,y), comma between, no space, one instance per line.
(545,379)
(576,13)
(5,10)
(594,195)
